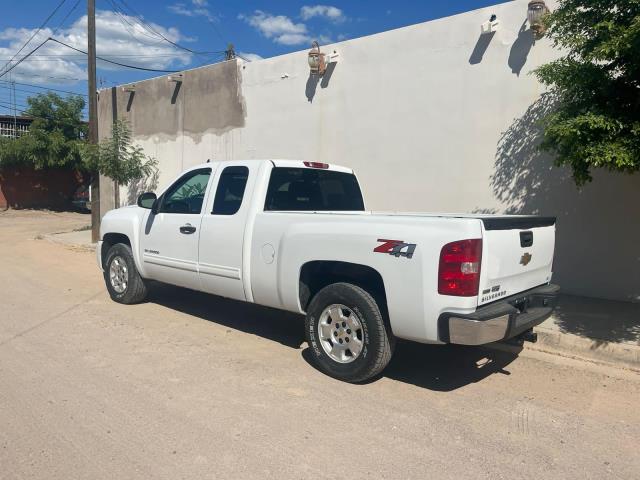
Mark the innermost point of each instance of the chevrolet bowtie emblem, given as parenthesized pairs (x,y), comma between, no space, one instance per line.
(525,259)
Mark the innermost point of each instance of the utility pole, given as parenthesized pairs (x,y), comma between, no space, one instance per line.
(93,116)
(13,104)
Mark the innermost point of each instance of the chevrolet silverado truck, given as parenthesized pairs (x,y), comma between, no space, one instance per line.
(295,236)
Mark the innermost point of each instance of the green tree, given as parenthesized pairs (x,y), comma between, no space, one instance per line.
(595,85)
(118,158)
(55,137)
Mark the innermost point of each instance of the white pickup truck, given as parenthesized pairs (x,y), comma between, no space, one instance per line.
(296,236)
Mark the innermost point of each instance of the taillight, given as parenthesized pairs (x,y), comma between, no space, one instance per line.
(316,165)
(459,269)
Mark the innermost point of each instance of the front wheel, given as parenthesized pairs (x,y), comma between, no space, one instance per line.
(124,283)
(347,333)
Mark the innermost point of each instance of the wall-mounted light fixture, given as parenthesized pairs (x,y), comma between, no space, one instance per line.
(536,12)
(129,88)
(176,77)
(316,60)
(490,26)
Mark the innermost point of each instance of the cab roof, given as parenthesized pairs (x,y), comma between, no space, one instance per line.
(280,163)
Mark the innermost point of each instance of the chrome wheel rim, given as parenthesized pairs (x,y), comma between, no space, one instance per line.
(341,333)
(118,274)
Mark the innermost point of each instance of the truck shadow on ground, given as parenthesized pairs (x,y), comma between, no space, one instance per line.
(438,368)
(444,368)
(441,368)
(279,326)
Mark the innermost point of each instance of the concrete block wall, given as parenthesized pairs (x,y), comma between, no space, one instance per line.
(433,117)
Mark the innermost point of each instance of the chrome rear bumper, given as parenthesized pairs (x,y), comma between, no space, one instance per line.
(500,320)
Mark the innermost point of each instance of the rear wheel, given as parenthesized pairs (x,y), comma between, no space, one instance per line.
(124,283)
(347,333)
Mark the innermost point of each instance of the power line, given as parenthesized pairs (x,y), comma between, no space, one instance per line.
(34,34)
(219,58)
(141,22)
(22,106)
(115,63)
(23,94)
(66,17)
(51,57)
(134,14)
(85,53)
(37,86)
(125,22)
(211,22)
(43,88)
(58,78)
(23,58)
(149,28)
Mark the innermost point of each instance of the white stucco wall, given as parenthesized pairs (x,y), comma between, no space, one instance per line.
(429,124)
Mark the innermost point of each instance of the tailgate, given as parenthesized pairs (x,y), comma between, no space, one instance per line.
(517,255)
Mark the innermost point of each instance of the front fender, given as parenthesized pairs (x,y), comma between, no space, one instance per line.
(126,221)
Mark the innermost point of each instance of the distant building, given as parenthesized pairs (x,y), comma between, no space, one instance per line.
(13,127)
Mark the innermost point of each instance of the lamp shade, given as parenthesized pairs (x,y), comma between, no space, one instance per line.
(536,11)
(314,60)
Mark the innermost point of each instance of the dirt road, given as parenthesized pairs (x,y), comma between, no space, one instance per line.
(194,386)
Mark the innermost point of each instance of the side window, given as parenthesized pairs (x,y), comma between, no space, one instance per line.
(230,192)
(187,194)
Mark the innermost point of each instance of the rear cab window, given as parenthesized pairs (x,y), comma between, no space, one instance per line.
(308,189)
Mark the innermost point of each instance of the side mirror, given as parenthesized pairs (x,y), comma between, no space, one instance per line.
(147,200)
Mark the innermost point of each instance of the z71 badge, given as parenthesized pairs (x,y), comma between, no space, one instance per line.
(397,248)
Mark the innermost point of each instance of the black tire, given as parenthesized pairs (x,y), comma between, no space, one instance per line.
(136,290)
(378,340)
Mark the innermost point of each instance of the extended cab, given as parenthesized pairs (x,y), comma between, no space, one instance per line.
(296,236)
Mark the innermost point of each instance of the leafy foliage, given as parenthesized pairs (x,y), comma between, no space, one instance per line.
(596,86)
(118,158)
(55,137)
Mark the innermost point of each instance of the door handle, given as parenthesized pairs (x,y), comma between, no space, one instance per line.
(187,229)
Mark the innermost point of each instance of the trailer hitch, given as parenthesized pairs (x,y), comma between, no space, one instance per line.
(526,336)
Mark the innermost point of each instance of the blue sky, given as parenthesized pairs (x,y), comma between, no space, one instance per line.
(135,32)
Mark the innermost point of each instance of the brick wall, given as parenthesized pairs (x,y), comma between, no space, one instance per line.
(28,188)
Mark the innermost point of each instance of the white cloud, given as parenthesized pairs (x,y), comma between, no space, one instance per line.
(326,11)
(198,8)
(115,40)
(279,28)
(181,9)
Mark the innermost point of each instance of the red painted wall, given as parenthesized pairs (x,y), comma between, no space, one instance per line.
(28,188)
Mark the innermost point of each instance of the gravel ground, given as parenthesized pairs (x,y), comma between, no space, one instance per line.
(195,386)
